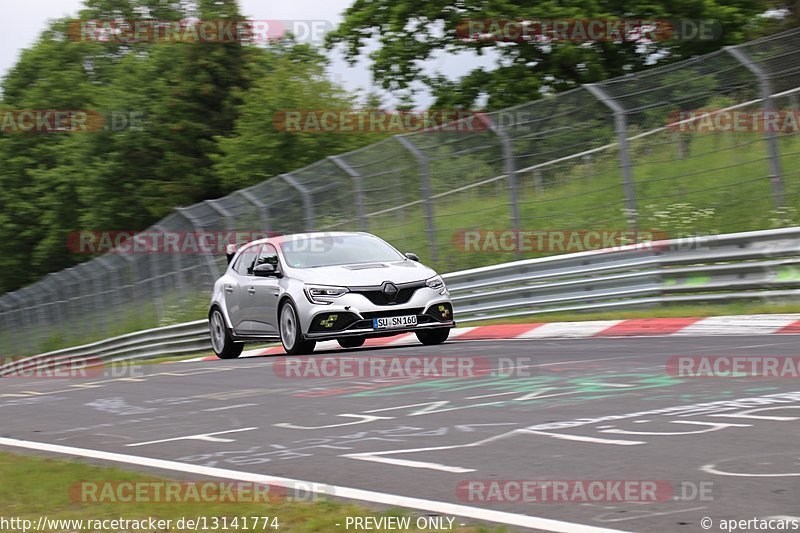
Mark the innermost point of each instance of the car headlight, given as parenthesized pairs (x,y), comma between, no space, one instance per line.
(435,283)
(319,294)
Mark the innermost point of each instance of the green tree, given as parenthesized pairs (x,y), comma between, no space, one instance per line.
(292,78)
(408,33)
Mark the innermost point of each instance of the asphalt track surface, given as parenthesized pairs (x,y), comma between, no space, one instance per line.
(423,439)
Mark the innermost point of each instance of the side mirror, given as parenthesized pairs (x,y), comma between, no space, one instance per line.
(264,271)
(412,256)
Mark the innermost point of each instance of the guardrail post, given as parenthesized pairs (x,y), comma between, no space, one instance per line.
(425,186)
(358,188)
(308,201)
(510,168)
(621,127)
(765,88)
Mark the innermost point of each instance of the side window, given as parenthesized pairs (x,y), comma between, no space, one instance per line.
(268,255)
(244,264)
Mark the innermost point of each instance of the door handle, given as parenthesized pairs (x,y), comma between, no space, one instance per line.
(228,289)
(251,290)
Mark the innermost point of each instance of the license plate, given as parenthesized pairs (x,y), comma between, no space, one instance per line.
(394,322)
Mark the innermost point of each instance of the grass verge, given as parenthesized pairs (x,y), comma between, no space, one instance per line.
(34,486)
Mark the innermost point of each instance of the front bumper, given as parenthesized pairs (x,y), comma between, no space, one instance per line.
(352,314)
(372,333)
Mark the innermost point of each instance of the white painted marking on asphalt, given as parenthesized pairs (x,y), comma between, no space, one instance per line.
(712,469)
(412,464)
(362,420)
(225,408)
(582,438)
(208,437)
(613,385)
(649,514)
(394,500)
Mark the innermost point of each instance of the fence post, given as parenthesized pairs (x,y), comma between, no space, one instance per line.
(263,209)
(510,168)
(308,201)
(621,127)
(5,347)
(765,88)
(358,188)
(213,269)
(221,211)
(131,277)
(19,317)
(425,186)
(76,301)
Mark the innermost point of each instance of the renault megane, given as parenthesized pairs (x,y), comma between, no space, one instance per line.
(304,288)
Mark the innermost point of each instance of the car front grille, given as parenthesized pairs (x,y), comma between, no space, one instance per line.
(377,296)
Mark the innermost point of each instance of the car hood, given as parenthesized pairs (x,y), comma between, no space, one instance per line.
(364,274)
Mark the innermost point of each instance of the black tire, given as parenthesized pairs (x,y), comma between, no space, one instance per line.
(433,336)
(351,342)
(291,334)
(221,341)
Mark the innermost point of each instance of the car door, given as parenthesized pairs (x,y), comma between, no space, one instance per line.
(263,293)
(236,295)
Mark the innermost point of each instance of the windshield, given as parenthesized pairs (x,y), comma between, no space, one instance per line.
(330,250)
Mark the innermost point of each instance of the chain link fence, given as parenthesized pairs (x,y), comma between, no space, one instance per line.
(616,155)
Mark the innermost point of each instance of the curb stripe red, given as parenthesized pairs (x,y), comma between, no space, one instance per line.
(647,326)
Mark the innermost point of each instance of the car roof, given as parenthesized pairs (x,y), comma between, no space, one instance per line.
(310,235)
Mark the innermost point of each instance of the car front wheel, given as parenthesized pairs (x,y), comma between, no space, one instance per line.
(221,340)
(433,336)
(291,336)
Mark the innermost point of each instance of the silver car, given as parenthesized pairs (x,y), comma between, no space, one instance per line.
(309,287)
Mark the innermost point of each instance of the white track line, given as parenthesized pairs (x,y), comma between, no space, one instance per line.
(445,508)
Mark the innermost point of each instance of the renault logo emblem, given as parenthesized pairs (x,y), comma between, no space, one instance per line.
(390,290)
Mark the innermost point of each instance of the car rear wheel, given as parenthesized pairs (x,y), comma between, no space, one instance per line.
(433,336)
(351,342)
(291,335)
(221,340)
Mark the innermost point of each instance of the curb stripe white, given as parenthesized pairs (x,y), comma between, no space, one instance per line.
(569,329)
(466,511)
(738,325)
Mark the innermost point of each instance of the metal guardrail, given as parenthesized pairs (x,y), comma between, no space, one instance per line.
(737,266)
(722,268)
